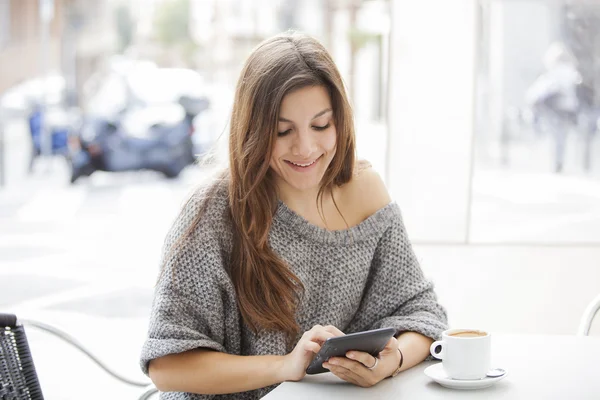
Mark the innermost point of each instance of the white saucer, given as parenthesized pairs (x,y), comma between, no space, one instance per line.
(436,372)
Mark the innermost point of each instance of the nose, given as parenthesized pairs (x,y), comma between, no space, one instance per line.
(304,145)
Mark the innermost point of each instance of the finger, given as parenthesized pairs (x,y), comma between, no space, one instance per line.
(340,372)
(348,375)
(311,331)
(355,366)
(320,336)
(312,347)
(334,330)
(364,358)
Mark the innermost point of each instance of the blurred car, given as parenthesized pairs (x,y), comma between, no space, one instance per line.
(154,138)
(139,117)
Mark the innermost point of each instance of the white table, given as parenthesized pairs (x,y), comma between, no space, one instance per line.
(540,367)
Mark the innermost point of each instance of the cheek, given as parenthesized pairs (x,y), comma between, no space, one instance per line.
(329,141)
(278,151)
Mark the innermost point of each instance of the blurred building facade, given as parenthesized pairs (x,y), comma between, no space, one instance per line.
(67,37)
(356,33)
(20,49)
(224,32)
(89,38)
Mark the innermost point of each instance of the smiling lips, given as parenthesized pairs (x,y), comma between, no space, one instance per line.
(302,165)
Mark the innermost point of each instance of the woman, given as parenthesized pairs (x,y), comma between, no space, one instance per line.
(294,244)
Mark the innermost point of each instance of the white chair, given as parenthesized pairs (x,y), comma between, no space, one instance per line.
(18,377)
(588,317)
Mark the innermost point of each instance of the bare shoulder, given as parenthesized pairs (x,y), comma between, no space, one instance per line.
(366,192)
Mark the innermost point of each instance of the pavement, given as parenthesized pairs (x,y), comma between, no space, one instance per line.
(548,207)
(85,258)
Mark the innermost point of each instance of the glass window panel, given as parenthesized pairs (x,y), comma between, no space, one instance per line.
(537,155)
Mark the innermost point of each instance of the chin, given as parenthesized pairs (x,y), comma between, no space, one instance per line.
(306,186)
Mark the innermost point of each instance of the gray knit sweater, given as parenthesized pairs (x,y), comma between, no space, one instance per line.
(357,279)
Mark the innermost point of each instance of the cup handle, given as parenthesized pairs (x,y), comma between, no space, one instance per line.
(437,349)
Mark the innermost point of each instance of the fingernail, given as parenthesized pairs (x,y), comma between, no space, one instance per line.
(350,355)
(333,362)
(325,365)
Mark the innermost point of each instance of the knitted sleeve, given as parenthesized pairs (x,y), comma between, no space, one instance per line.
(397,294)
(194,302)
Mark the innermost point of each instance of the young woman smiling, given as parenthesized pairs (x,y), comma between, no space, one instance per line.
(296,242)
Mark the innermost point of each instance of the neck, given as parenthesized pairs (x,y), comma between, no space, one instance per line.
(302,201)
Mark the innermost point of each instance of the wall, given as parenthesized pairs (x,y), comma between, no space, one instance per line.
(431,115)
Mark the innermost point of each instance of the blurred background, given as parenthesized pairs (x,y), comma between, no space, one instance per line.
(483,117)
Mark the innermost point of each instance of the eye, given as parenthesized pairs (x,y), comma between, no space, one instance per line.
(321,128)
(280,134)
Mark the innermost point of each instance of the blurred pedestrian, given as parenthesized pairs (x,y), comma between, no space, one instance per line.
(553,96)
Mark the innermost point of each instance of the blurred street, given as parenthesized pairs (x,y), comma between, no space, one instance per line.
(84,258)
(546,207)
(88,266)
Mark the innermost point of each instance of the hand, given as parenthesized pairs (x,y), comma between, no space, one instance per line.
(294,364)
(354,368)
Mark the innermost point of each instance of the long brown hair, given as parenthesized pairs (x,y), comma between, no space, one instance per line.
(267,291)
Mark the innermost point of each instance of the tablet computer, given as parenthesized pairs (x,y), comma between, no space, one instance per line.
(371,342)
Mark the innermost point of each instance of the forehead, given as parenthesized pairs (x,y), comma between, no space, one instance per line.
(305,102)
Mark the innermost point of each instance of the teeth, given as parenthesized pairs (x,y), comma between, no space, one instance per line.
(304,165)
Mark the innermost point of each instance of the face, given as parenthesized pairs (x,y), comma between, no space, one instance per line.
(306,139)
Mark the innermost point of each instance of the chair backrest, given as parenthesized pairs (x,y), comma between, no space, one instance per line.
(18,378)
(585,325)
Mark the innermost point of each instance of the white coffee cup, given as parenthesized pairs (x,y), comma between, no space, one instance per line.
(465,353)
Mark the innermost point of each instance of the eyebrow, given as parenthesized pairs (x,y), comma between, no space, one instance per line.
(316,116)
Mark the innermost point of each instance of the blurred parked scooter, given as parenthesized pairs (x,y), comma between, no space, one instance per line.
(157,138)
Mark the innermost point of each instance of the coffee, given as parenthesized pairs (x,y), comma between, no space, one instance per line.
(467,334)
(465,353)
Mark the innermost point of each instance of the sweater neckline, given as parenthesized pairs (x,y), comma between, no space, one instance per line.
(374,224)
